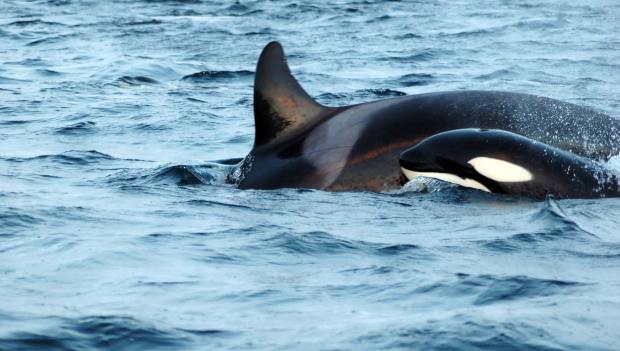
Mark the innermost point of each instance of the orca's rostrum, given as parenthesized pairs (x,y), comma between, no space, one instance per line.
(301,144)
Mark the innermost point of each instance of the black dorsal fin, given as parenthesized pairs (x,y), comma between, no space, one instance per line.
(281,106)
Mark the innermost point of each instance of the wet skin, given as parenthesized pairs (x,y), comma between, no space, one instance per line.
(301,144)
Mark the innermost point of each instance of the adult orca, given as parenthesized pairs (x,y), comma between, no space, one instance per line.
(503,162)
(301,144)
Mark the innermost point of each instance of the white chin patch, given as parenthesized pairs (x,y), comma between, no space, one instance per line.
(500,170)
(446,177)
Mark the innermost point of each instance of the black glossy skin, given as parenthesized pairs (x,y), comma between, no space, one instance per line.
(387,127)
(555,172)
(301,144)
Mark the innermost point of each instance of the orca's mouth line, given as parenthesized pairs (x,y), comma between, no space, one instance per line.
(446,177)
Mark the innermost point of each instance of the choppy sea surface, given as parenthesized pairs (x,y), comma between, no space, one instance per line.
(118,233)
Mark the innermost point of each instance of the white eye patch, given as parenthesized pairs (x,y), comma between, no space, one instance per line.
(446,177)
(500,170)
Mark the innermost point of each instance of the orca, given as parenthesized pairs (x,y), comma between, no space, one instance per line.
(507,163)
(300,143)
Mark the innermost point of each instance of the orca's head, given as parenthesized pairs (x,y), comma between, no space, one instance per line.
(465,157)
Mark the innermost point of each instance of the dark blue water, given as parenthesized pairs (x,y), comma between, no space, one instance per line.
(116,233)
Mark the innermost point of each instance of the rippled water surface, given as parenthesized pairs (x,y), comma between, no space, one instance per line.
(116,232)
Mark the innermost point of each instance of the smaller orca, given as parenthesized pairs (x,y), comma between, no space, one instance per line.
(502,162)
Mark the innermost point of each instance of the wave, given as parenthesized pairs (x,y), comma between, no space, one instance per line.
(415,79)
(408,36)
(382,18)
(9,80)
(463,334)
(143,22)
(136,80)
(382,93)
(50,39)
(490,289)
(398,249)
(555,222)
(422,56)
(310,243)
(211,203)
(48,72)
(180,175)
(534,24)
(319,243)
(547,228)
(262,31)
(108,332)
(13,220)
(519,287)
(30,62)
(151,127)
(179,2)
(498,74)
(71,157)
(34,22)
(14,122)
(238,7)
(208,76)
(79,128)
(358,95)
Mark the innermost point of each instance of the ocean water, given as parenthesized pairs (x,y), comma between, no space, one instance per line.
(117,232)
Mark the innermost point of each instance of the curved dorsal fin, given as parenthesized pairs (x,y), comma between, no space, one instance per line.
(281,105)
